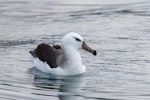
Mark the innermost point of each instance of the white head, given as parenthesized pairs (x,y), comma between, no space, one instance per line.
(74,40)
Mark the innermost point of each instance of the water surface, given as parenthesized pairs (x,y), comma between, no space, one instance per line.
(119,31)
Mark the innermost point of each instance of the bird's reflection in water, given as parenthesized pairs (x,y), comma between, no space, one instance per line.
(65,87)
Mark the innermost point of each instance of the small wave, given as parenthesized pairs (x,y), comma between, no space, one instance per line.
(6,43)
(123,11)
(137,9)
(126,38)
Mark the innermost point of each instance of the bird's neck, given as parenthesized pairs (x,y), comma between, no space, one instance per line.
(72,61)
(72,55)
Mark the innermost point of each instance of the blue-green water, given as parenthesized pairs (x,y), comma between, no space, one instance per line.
(119,31)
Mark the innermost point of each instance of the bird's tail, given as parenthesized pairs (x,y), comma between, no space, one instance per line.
(33,53)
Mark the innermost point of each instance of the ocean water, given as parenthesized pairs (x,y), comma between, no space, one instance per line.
(118,29)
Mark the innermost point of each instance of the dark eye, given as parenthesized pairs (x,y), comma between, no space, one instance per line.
(77,39)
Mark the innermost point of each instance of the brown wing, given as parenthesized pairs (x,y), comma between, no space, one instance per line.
(57,46)
(47,53)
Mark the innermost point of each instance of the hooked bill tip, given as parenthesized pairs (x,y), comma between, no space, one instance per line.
(94,52)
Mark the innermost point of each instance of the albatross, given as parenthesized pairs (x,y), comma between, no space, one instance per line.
(63,59)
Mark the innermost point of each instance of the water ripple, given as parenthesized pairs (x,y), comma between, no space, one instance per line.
(8,43)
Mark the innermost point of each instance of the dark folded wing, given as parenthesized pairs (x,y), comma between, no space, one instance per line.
(47,54)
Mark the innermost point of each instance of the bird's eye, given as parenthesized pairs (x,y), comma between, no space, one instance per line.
(77,39)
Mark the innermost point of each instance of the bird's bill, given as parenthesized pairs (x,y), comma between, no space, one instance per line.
(87,48)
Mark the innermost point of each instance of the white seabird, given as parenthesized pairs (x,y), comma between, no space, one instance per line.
(63,59)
